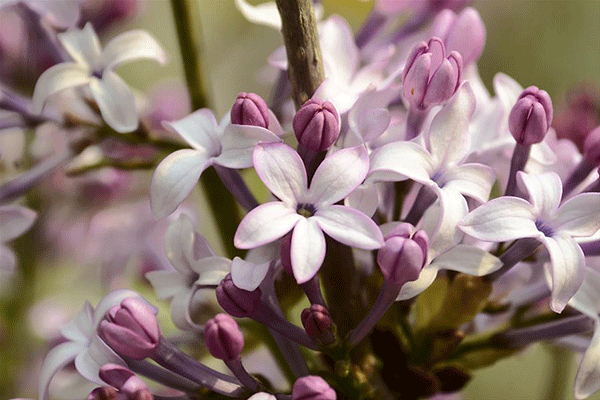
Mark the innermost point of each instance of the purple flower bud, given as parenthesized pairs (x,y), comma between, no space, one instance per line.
(318,323)
(312,387)
(223,338)
(250,109)
(591,147)
(403,254)
(131,329)
(531,116)
(464,33)
(123,379)
(237,302)
(317,124)
(104,393)
(286,258)
(430,78)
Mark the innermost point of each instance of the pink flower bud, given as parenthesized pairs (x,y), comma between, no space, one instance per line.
(318,323)
(531,116)
(430,78)
(104,393)
(237,302)
(317,124)
(464,33)
(591,147)
(403,254)
(312,387)
(123,379)
(223,338)
(250,109)
(131,329)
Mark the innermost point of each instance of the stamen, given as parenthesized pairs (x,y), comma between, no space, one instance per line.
(306,210)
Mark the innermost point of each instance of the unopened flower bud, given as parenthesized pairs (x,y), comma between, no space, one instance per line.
(317,124)
(123,379)
(237,302)
(464,33)
(318,323)
(430,78)
(250,109)
(591,147)
(286,258)
(223,338)
(403,254)
(103,393)
(131,329)
(531,116)
(312,387)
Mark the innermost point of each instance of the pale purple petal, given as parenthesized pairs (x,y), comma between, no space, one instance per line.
(56,78)
(449,138)
(97,354)
(337,45)
(8,261)
(238,144)
(274,125)
(179,244)
(414,288)
(167,284)
(81,328)
(501,219)
(262,14)
(338,175)
(451,209)
(199,130)
(180,310)
(468,260)
(14,221)
(130,46)
(587,380)
(579,216)
(587,298)
(399,161)
(545,192)
(247,275)
(174,179)
(567,270)
(473,180)
(365,199)
(281,169)
(116,102)
(55,360)
(350,227)
(211,270)
(83,46)
(264,224)
(307,250)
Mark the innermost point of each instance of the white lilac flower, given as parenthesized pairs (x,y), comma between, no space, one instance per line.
(267,13)
(543,218)
(95,67)
(308,211)
(14,221)
(225,144)
(196,266)
(439,164)
(83,345)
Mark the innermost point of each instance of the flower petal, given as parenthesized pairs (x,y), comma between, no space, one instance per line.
(212,270)
(174,179)
(55,360)
(82,45)
(444,216)
(473,180)
(307,250)
(116,102)
(262,14)
(587,298)
(364,198)
(180,310)
(338,175)
(501,219)
(350,227)
(8,260)
(81,328)
(247,275)
(264,224)
(281,169)
(199,129)
(15,220)
(167,284)
(545,191)
(112,299)
(399,161)
(238,144)
(130,46)
(587,381)
(339,49)
(579,216)
(179,244)
(413,288)
(567,269)
(469,260)
(98,353)
(56,78)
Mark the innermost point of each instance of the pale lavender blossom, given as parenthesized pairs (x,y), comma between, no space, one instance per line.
(15,220)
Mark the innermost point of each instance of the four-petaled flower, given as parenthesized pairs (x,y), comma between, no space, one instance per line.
(308,211)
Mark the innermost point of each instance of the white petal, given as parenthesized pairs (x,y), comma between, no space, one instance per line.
(545,191)
(174,179)
(82,45)
(413,288)
(501,219)
(473,180)
(262,396)
(567,270)
(80,329)
(399,161)
(179,244)
(55,360)
(180,310)
(350,227)
(239,142)
(14,221)
(587,381)
(587,298)
(281,169)
(8,261)
(338,175)
(264,224)
(579,216)
(274,125)
(199,130)
(262,14)
(116,102)
(365,199)
(167,284)
(339,49)
(212,270)
(98,353)
(307,250)
(507,90)
(247,275)
(452,208)
(131,46)
(56,78)
(469,260)
(449,138)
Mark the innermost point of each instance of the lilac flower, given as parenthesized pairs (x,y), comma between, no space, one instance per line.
(308,211)
(225,144)
(94,68)
(14,221)
(196,266)
(266,13)
(543,218)
(60,13)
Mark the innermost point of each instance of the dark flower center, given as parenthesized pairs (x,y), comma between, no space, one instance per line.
(306,210)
